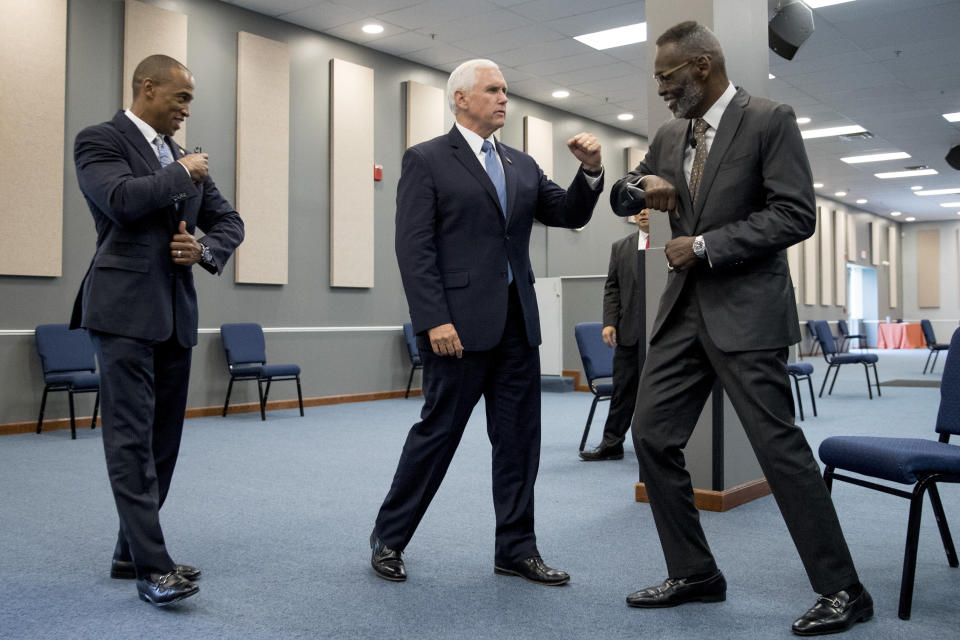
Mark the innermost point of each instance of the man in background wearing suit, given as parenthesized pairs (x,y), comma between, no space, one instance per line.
(465,208)
(147,196)
(622,322)
(732,171)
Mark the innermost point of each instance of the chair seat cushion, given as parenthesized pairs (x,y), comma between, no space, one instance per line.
(938,347)
(800,368)
(246,370)
(76,381)
(848,358)
(279,370)
(603,388)
(894,459)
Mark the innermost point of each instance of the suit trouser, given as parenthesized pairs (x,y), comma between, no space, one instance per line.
(682,364)
(143,395)
(508,378)
(626,379)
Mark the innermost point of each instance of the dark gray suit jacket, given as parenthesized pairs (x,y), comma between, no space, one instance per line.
(756,199)
(622,294)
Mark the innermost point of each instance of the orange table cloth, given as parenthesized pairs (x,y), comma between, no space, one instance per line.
(903,335)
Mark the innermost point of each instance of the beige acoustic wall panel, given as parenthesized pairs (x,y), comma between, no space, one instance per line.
(928,268)
(33,46)
(634,156)
(425,105)
(826,256)
(810,266)
(893,247)
(351,175)
(876,229)
(538,142)
(263,158)
(840,262)
(852,239)
(147,30)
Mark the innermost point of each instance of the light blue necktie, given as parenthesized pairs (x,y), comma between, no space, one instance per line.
(163,151)
(495,171)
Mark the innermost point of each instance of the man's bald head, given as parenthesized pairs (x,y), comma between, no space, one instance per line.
(158,68)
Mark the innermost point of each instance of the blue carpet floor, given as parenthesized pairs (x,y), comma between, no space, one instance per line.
(277,515)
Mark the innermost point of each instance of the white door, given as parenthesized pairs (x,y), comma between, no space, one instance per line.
(550,302)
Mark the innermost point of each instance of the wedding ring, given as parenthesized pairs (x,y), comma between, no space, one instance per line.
(180,254)
(669,267)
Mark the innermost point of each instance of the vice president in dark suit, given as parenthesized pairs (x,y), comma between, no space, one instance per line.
(465,208)
(138,301)
(732,171)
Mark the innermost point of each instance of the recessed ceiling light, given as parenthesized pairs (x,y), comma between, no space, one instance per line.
(770,76)
(906,174)
(818,185)
(937,192)
(617,37)
(950,205)
(909,219)
(816,4)
(876,157)
(831,131)
(840,194)
(862,201)
(625,116)
(372,28)
(561,93)
(916,188)
(952,117)
(803,120)
(895,213)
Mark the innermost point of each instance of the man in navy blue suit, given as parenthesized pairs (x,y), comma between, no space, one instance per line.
(137,299)
(465,207)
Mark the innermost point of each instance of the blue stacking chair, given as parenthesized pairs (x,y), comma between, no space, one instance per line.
(932,344)
(835,359)
(912,461)
(802,371)
(845,336)
(246,353)
(597,360)
(415,362)
(69,364)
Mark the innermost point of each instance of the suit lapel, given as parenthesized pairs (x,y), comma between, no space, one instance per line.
(464,155)
(510,177)
(677,149)
(136,139)
(729,123)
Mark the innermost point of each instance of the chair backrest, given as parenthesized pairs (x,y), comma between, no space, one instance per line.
(411,339)
(597,357)
(243,343)
(948,418)
(824,337)
(842,328)
(928,334)
(62,349)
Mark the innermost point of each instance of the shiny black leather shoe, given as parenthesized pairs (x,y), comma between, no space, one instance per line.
(835,613)
(385,561)
(603,452)
(167,588)
(124,570)
(674,591)
(534,570)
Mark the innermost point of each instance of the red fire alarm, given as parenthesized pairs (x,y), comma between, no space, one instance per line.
(377,172)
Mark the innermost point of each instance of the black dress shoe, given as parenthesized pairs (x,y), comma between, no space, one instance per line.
(167,588)
(385,561)
(534,570)
(124,570)
(836,612)
(604,452)
(674,591)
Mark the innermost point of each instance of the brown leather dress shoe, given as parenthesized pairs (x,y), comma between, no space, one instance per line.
(124,570)
(163,589)
(534,570)
(385,561)
(674,591)
(836,612)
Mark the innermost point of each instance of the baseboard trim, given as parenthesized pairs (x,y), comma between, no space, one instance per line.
(576,375)
(707,500)
(57,424)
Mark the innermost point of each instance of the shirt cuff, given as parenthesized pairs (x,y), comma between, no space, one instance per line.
(593,181)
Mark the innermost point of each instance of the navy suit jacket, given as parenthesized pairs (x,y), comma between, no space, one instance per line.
(132,287)
(453,242)
(624,289)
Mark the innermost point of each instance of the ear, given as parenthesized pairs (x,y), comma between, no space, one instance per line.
(460,98)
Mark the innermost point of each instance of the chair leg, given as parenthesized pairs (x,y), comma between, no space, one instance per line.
(409,382)
(796,384)
(836,372)
(43,404)
(73,422)
(876,379)
(263,413)
(927,363)
(948,547)
(936,354)
(813,400)
(825,378)
(226,402)
(910,551)
(266,393)
(586,428)
(828,479)
(96,406)
(866,370)
(299,396)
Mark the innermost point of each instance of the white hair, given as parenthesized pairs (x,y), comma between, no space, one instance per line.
(464,77)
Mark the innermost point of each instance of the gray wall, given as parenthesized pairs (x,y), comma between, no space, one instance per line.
(945,317)
(332,363)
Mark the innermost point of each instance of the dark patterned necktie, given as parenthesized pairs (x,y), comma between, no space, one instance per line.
(699,157)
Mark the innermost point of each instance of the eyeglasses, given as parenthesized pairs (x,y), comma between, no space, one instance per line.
(664,76)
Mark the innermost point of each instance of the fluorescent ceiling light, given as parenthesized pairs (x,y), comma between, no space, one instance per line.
(840,194)
(909,219)
(561,93)
(895,213)
(372,28)
(876,157)
(617,37)
(952,117)
(625,116)
(950,205)
(862,201)
(770,76)
(937,192)
(816,4)
(831,131)
(916,188)
(906,174)
(818,185)
(803,120)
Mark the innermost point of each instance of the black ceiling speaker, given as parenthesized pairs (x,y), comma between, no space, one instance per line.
(953,157)
(789,28)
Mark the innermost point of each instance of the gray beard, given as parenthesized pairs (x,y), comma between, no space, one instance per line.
(692,96)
